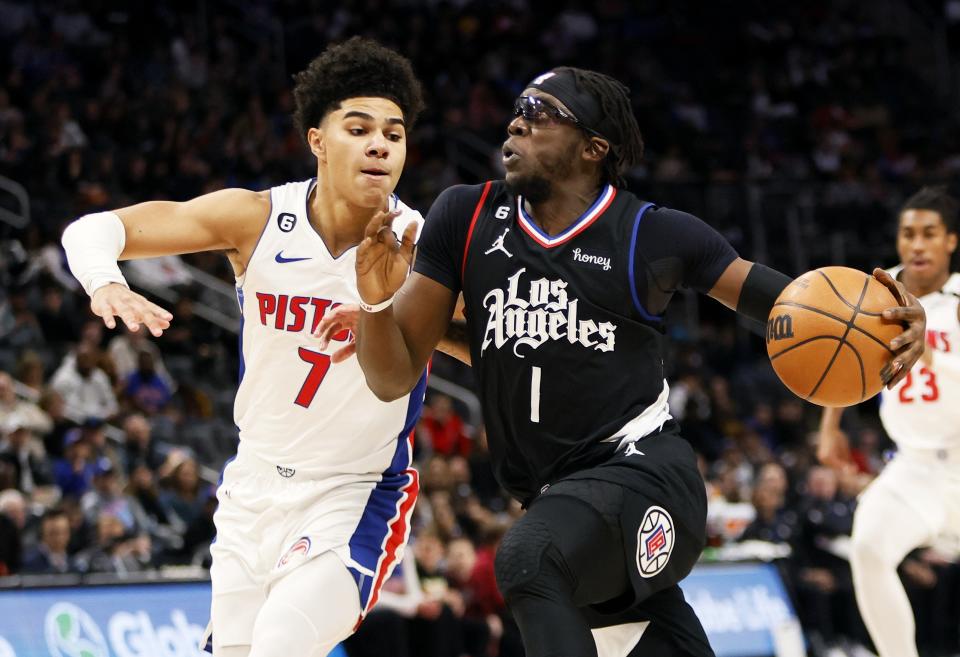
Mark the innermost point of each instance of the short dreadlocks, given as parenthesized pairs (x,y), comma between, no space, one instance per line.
(614,99)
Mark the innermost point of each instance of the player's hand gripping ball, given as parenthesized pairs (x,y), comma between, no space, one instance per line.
(827,339)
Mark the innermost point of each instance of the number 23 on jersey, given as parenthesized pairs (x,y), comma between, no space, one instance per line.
(919,388)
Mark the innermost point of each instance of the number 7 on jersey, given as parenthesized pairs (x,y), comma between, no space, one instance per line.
(319,364)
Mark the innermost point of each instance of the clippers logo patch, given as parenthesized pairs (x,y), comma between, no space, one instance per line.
(654,541)
(302,546)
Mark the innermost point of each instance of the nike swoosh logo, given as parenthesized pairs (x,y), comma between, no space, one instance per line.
(281,259)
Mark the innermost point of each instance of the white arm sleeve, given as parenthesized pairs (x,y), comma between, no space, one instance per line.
(93,244)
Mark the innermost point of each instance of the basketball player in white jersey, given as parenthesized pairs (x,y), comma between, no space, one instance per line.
(917,496)
(314,510)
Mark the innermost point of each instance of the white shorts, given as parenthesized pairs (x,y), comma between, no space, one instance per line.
(271,520)
(928,481)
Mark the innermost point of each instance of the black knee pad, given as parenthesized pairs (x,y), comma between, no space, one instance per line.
(520,555)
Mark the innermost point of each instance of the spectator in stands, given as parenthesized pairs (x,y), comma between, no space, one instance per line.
(142,487)
(30,373)
(190,342)
(26,412)
(24,451)
(50,555)
(481,474)
(74,472)
(138,447)
(115,551)
(437,631)
(444,428)
(58,320)
(51,403)
(145,388)
(774,522)
(85,388)
(480,625)
(13,521)
(107,495)
(183,495)
(824,585)
(445,521)
(19,328)
(94,430)
(125,349)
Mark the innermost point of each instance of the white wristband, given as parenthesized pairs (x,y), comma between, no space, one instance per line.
(377,307)
(93,243)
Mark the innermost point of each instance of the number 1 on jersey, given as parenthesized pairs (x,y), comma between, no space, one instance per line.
(535,395)
(320,363)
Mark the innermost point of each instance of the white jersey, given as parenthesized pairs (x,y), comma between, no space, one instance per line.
(293,408)
(922,411)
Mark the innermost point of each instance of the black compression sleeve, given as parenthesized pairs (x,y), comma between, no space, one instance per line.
(760,290)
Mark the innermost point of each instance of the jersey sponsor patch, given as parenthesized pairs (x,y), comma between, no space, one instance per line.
(654,541)
(595,260)
(300,546)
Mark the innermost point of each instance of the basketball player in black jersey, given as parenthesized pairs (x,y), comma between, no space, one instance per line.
(565,277)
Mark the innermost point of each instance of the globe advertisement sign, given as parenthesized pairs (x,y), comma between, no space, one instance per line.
(156,620)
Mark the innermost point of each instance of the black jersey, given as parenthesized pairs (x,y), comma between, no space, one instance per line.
(566,330)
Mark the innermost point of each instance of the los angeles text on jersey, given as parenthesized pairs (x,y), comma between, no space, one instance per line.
(545,313)
(290,312)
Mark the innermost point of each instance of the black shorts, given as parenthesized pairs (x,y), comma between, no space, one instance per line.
(653,499)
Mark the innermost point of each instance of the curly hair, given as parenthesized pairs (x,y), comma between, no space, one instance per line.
(356,67)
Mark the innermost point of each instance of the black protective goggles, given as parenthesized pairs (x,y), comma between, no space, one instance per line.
(537,110)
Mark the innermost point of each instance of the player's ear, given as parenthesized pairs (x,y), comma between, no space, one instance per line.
(597,149)
(316,143)
(951,242)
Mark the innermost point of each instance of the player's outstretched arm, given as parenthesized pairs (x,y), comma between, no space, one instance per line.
(229,219)
(395,340)
(833,447)
(751,289)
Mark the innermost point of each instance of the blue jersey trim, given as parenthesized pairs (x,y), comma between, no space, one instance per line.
(572,227)
(243,366)
(396,482)
(631,269)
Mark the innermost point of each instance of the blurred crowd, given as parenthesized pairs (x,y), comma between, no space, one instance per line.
(110,441)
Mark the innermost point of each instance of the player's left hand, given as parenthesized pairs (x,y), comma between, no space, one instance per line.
(383,261)
(908,346)
(340,318)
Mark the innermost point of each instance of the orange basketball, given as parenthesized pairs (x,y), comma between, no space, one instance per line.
(826,338)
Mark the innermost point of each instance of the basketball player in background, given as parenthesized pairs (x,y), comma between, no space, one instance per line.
(565,277)
(314,510)
(917,496)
